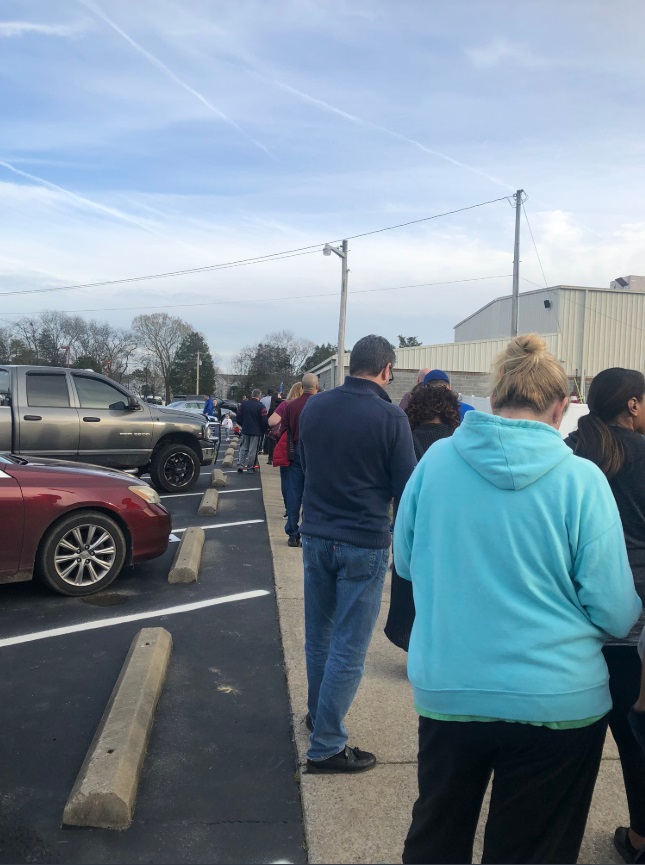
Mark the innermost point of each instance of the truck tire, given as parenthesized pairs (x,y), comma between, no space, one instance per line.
(81,554)
(174,468)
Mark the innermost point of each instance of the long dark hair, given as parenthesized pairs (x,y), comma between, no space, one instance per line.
(609,394)
(431,400)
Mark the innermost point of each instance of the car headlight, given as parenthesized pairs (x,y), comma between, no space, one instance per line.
(207,432)
(147,494)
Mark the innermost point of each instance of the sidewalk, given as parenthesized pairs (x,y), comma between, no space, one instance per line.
(364,819)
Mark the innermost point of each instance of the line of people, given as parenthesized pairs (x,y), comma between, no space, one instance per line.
(519,571)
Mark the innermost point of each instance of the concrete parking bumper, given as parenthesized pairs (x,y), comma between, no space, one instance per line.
(219,479)
(185,568)
(208,504)
(105,790)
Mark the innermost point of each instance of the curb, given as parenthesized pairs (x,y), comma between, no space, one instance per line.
(219,479)
(185,567)
(208,504)
(104,793)
(227,462)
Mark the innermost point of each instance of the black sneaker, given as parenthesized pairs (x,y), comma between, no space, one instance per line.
(294,541)
(240,469)
(624,846)
(349,760)
(309,724)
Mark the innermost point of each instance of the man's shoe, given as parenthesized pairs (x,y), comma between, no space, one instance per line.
(624,846)
(240,469)
(294,541)
(349,760)
(309,724)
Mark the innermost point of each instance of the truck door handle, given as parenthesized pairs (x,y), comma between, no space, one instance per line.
(33,417)
(92,419)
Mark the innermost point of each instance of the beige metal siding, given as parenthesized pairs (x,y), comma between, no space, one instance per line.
(494,320)
(474,356)
(614,330)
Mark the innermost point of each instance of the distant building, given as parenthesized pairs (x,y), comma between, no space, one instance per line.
(588,329)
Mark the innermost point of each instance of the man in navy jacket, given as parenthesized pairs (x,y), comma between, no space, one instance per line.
(357,455)
(253,417)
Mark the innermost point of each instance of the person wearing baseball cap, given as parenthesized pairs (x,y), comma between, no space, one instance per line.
(441,376)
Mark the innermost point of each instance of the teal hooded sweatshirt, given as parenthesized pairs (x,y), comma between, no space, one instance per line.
(519,572)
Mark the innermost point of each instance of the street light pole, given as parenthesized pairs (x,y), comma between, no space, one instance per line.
(341,252)
(197,387)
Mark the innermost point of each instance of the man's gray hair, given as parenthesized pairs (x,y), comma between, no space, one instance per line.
(371,355)
(256,393)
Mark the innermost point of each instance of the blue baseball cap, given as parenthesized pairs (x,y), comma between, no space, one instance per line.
(436,375)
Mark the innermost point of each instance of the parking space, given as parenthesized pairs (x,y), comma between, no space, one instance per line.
(219,780)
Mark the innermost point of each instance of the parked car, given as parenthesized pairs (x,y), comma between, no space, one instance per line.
(197,407)
(75,526)
(80,415)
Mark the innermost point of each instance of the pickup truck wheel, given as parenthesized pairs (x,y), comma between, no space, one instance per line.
(82,554)
(174,468)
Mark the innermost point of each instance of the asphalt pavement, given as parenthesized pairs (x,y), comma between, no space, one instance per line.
(219,782)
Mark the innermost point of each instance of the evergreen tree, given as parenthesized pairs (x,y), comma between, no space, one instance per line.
(408,341)
(183,372)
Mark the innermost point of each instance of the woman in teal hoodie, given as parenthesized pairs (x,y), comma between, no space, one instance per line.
(519,572)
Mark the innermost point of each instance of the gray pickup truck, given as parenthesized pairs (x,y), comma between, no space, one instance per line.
(71,414)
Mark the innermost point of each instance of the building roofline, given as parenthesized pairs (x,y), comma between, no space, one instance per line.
(547,289)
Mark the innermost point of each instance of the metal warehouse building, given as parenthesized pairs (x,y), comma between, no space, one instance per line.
(587,328)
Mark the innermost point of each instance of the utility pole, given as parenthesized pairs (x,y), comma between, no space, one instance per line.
(340,365)
(198,363)
(516,264)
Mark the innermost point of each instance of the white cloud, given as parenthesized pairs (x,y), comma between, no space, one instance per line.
(10,29)
(501,51)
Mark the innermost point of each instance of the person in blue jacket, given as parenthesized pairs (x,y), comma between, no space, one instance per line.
(519,571)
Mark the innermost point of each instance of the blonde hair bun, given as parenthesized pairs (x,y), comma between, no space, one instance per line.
(526,375)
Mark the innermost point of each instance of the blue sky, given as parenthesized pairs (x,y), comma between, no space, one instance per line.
(152,136)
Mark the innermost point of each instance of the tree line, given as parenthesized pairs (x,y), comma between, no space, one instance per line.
(157,355)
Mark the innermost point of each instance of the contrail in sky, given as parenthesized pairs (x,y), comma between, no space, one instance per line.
(79,199)
(93,7)
(368,124)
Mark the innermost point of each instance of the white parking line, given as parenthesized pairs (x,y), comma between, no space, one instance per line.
(221,525)
(221,492)
(135,617)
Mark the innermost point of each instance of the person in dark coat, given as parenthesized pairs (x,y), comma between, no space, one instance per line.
(433,412)
(611,436)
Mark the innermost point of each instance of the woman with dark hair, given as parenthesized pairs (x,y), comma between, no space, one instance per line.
(611,436)
(433,412)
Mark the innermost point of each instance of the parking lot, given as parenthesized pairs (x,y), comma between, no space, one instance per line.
(219,781)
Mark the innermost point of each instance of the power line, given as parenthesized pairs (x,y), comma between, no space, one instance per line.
(258,259)
(272,299)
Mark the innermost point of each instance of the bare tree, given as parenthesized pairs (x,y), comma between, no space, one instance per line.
(161,335)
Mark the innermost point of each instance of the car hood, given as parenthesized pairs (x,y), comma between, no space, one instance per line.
(178,412)
(75,468)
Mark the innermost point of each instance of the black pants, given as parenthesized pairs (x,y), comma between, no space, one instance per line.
(542,789)
(624,683)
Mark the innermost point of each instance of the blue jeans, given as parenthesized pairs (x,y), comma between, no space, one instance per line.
(283,484)
(343,589)
(295,487)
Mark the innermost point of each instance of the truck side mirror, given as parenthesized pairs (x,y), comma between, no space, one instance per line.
(133,404)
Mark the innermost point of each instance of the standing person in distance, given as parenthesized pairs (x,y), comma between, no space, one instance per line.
(254,425)
(433,413)
(209,407)
(505,656)
(280,453)
(295,479)
(357,454)
(611,436)
(227,425)
(266,402)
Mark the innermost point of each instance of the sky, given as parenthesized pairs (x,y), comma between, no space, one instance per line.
(157,136)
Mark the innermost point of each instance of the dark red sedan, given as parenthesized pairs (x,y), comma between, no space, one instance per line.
(75,526)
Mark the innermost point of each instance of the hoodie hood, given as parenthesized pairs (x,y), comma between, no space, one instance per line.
(512,454)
